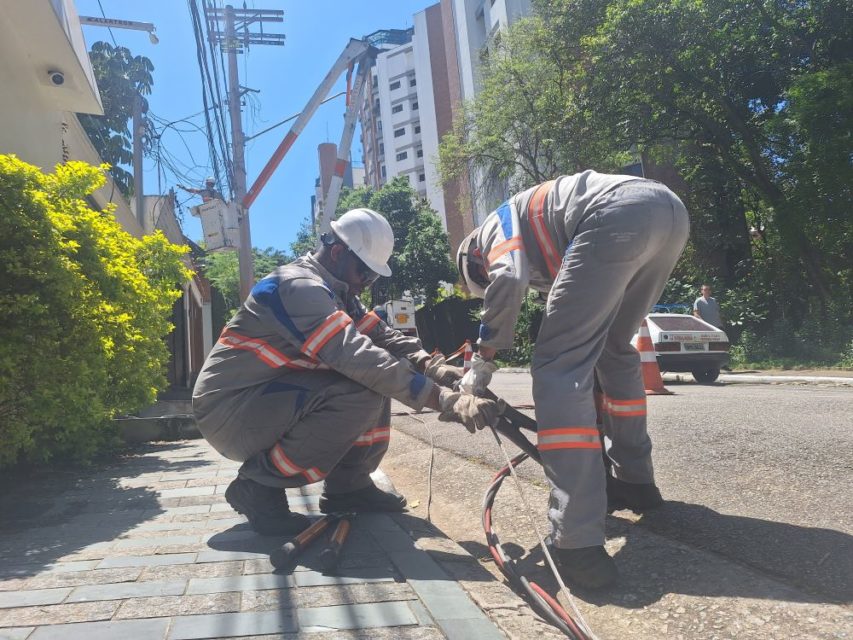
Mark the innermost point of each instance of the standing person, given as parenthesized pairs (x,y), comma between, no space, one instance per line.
(707,308)
(298,386)
(208,193)
(601,247)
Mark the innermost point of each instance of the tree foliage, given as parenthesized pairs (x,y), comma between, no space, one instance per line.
(420,261)
(122,79)
(86,307)
(223,271)
(745,108)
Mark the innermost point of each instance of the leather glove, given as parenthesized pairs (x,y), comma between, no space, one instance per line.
(443,373)
(473,412)
(478,377)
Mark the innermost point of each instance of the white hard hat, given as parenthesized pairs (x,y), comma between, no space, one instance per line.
(369,236)
(467,256)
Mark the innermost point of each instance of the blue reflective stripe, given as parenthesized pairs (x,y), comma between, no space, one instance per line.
(505,216)
(485,332)
(277,387)
(266,293)
(417,384)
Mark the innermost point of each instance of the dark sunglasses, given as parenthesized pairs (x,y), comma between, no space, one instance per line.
(368,276)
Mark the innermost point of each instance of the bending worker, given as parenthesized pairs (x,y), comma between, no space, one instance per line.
(601,248)
(298,385)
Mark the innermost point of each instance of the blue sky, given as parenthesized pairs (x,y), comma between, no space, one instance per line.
(316,30)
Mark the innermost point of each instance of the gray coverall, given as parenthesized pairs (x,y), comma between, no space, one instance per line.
(298,385)
(601,247)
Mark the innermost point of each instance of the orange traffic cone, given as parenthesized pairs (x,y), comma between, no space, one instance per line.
(652,380)
(466,358)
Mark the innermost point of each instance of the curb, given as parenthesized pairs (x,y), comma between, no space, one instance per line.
(740,378)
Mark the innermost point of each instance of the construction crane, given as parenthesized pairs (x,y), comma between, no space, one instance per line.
(357,52)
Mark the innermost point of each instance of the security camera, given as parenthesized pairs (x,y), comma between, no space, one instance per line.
(57,78)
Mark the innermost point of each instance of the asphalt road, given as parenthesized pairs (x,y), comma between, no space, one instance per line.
(758,526)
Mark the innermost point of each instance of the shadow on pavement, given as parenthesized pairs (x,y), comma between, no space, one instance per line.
(51,514)
(803,564)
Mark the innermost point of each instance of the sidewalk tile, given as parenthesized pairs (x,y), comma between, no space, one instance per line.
(199,570)
(156,541)
(223,625)
(15,633)
(326,596)
(356,616)
(151,629)
(186,491)
(58,613)
(147,561)
(482,629)
(223,556)
(179,605)
(254,582)
(127,590)
(31,598)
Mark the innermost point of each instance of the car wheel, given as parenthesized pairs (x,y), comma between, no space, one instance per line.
(705,376)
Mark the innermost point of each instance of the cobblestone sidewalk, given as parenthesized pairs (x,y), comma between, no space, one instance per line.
(148,548)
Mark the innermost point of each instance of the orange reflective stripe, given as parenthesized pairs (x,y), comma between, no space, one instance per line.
(369,438)
(505,247)
(332,325)
(625,408)
(265,352)
(366,324)
(287,467)
(569,438)
(535,209)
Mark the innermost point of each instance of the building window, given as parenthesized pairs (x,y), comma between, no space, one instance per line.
(415,105)
(376,104)
(382,147)
(397,108)
(420,153)
(399,132)
(402,155)
(422,178)
(394,85)
(375,81)
(412,82)
(382,170)
(417,128)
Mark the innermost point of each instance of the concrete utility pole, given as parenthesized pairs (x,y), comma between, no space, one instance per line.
(139,107)
(233,45)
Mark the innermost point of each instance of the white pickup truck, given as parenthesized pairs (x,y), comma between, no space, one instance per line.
(399,315)
(685,343)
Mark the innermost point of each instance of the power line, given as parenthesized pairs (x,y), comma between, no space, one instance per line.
(108,29)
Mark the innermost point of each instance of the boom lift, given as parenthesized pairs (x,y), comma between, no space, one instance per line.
(358,52)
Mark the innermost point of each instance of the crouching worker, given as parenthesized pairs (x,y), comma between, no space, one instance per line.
(600,248)
(298,386)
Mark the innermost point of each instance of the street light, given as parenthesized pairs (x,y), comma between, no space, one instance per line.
(122,24)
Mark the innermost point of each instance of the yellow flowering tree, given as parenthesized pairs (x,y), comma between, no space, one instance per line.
(85,308)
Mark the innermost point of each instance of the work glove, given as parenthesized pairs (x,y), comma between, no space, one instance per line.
(473,412)
(443,373)
(478,377)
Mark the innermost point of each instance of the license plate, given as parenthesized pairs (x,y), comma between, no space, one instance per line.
(694,346)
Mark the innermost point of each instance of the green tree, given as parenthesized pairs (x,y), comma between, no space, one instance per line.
(86,308)
(421,258)
(306,239)
(122,79)
(223,270)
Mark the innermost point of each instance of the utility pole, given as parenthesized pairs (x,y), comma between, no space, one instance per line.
(139,107)
(234,45)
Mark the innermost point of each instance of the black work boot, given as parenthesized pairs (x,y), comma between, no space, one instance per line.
(636,497)
(265,507)
(588,567)
(370,498)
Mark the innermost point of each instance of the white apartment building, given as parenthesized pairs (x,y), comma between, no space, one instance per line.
(414,94)
(475,24)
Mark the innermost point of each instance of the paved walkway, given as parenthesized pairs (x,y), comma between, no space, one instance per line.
(148,548)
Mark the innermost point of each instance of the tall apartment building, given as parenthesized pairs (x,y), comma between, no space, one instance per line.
(414,95)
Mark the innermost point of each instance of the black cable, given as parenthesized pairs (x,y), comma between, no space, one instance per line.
(201,65)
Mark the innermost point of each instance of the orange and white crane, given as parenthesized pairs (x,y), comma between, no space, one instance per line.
(357,52)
